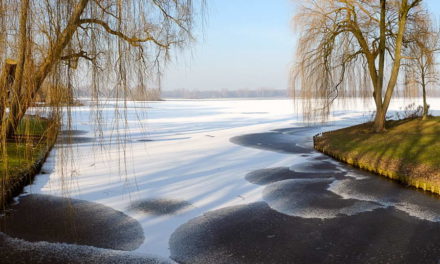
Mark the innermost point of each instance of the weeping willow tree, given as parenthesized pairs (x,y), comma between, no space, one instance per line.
(420,61)
(109,46)
(351,48)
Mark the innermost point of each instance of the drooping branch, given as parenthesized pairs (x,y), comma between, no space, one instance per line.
(332,31)
(134,41)
(80,54)
(62,41)
(168,16)
(135,35)
(104,9)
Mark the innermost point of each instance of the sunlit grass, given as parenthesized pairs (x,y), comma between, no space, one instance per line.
(24,153)
(408,151)
(21,157)
(31,125)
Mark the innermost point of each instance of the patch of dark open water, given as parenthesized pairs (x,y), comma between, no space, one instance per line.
(72,132)
(75,140)
(54,219)
(160,206)
(271,141)
(255,233)
(14,250)
(271,175)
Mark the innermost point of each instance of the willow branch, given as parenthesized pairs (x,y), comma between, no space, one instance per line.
(134,41)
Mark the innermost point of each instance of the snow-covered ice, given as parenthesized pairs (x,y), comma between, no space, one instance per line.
(174,150)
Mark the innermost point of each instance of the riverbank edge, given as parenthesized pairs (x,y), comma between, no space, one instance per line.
(320,144)
(15,188)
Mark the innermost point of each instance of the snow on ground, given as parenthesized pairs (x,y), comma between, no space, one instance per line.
(173,150)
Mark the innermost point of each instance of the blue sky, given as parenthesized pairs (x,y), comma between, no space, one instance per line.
(245,44)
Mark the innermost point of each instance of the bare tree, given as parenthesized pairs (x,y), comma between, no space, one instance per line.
(104,43)
(351,48)
(421,66)
(110,46)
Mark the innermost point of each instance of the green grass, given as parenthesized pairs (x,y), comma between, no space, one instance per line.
(31,125)
(408,151)
(22,156)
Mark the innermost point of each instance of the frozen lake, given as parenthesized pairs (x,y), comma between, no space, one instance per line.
(167,163)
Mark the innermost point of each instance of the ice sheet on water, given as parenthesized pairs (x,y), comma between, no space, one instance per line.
(309,198)
(387,193)
(14,250)
(37,217)
(208,171)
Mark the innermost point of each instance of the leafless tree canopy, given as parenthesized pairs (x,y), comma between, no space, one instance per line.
(103,44)
(420,60)
(109,46)
(350,49)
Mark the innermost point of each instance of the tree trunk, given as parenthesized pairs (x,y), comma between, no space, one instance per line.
(16,91)
(379,120)
(19,107)
(425,104)
(15,116)
(6,81)
(380,124)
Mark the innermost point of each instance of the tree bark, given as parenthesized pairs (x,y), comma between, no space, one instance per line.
(6,81)
(381,114)
(16,91)
(425,103)
(397,54)
(18,109)
(379,122)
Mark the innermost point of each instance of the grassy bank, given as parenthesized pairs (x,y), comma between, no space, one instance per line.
(25,156)
(409,151)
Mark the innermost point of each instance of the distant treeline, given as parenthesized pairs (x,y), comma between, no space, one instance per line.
(153,94)
(207,94)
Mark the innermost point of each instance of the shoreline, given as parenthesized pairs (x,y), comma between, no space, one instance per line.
(15,188)
(15,185)
(405,175)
